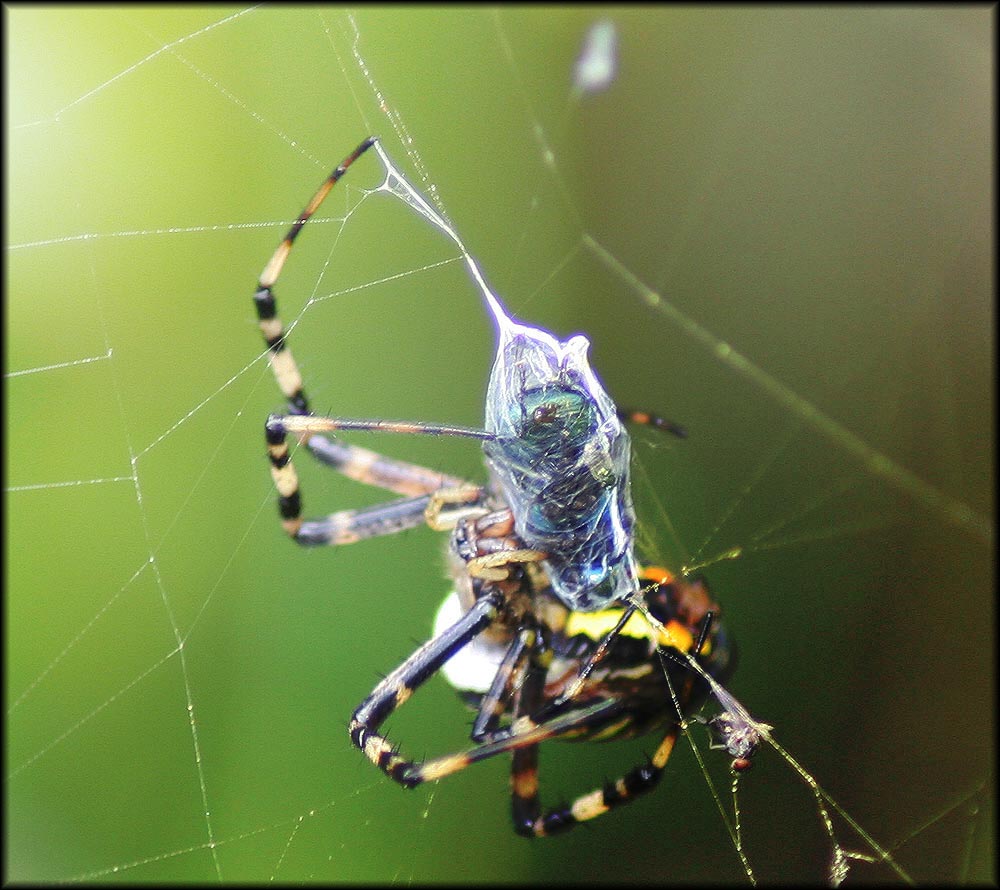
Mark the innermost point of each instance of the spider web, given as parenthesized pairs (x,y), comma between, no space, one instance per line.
(774,226)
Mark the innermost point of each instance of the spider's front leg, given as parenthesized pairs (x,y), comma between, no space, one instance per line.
(348,526)
(356,463)
(285,370)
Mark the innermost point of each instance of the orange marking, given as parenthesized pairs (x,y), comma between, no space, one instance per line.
(525,784)
(324,190)
(657,574)
(677,635)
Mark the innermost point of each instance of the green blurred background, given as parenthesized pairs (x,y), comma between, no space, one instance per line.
(812,187)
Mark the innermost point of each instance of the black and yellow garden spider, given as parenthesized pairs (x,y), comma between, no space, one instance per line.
(543,635)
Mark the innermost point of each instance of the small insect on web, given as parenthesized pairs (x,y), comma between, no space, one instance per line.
(542,635)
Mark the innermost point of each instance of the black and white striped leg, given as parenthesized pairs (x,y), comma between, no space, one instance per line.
(523,743)
(522,734)
(398,686)
(528,818)
(285,370)
(348,526)
(356,463)
(629,787)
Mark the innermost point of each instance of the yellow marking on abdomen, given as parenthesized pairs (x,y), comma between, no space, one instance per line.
(597,625)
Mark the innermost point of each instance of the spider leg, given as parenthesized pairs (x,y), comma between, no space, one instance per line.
(494,703)
(644,418)
(588,666)
(524,733)
(286,372)
(522,739)
(669,639)
(636,782)
(398,686)
(350,526)
(526,812)
(525,807)
(371,468)
(356,463)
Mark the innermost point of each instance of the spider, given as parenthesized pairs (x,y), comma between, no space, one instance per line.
(541,635)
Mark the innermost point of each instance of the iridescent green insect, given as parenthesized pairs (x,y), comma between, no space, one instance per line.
(560,459)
